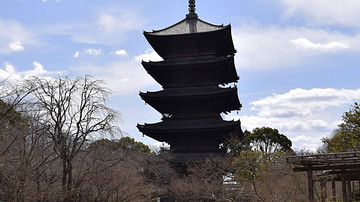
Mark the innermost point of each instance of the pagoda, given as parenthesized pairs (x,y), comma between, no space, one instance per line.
(198,78)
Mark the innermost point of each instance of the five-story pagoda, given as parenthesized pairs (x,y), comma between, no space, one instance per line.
(198,62)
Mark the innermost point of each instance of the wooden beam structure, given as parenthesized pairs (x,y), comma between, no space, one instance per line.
(343,167)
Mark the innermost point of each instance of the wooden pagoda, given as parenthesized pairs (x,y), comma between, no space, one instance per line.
(196,74)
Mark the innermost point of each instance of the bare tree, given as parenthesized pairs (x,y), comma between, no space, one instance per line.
(107,172)
(73,110)
(12,96)
(26,156)
(210,180)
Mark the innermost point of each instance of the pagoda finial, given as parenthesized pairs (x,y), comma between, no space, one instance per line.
(192,9)
(192,6)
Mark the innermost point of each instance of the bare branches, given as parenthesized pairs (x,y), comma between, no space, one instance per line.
(74,110)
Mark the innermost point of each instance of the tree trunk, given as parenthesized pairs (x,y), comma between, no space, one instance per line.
(69,179)
(64,175)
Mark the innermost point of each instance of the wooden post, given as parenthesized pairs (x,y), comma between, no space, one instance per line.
(310,185)
(333,186)
(323,190)
(343,184)
(348,183)
(353,194)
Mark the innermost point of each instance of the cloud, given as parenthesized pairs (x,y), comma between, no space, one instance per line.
(115,22)
(303,43)
(37,71)
(273,47)
(149,55)
(303,115)
(93,51)
(121,77)
(324,12)
(96,52)
(110,26)
(120,52)
(8,71)
(16,46)
(53,0)
(76,54)
(13,36)
(89,51)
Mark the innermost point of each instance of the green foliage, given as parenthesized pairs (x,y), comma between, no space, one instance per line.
(347,137)
(342,141)
(8,114)
(351,120)
(125,143)
(235,145)
(128,143)
(248,165)
(267,140)
(251,165)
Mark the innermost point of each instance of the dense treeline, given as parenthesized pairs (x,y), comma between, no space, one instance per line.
(53,148)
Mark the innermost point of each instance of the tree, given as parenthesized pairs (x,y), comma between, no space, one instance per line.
(268,140)
(124,143)
(12,97)
(25,154)
(347,136)
(106,172)
(72,111)
(351,120)
(210,180)
(235,144)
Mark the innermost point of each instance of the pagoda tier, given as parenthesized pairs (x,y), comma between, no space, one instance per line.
(201,71)
(193,100)
(192,135)
(192,37)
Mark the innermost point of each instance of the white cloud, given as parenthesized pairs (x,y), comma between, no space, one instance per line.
(37,71)
(53,0)
(76,54)
(8,71)
(120,52)
(149,55)
(13,36)
(121,77)
(303,43)
(273,47)
(303,115)
(89,51)
(324,12)
(93,51)
(111,26)
(16,46)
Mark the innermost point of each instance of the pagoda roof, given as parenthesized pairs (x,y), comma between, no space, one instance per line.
(189,92)
(167,130)
(192,61)
(188,26)
(198,71)
(193,100)
(198,38)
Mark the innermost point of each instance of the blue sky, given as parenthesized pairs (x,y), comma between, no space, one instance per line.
(298,60)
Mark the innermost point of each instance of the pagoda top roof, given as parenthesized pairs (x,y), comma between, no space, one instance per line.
(189,25)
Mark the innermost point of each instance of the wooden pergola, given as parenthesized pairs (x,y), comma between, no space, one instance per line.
(330,167)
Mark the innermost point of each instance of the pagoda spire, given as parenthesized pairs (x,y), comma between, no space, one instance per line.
(192,8)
